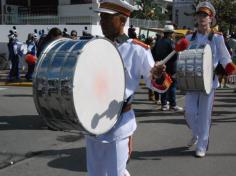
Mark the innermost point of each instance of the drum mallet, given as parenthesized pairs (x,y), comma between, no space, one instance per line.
(181,45)
(162,83)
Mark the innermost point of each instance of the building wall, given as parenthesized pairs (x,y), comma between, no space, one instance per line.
(180,8)
(77,10)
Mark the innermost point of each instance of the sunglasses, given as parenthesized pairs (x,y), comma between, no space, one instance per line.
(74,35)
(202,14)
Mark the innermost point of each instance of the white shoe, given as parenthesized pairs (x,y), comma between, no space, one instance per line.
(200,153)
(176,108)
(193,141)
(165,108)
(158,102)
(126,173)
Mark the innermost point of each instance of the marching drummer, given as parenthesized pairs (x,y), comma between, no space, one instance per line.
(107,154)
(198,105)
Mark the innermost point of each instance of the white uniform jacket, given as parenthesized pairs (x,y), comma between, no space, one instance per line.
(138,62)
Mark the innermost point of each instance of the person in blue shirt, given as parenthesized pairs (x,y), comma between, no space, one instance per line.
(32,51)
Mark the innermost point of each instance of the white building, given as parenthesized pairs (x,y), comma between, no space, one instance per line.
(182,13)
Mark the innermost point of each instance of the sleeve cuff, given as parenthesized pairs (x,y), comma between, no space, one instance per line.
(230,68)
(162,85)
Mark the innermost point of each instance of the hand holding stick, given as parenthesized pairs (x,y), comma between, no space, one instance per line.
(159,67)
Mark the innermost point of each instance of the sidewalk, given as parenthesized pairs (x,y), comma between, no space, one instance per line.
(4,82)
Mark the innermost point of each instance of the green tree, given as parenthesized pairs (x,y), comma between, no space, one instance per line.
(148,10)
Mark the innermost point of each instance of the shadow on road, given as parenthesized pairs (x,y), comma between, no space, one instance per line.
(170,121)
(18,95)
(155,155)
(22,122)
(172,152)
(68,159)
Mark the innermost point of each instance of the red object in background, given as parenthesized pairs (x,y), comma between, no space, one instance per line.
(181,45)
(30,59)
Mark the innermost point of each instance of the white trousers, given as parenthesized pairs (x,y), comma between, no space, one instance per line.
(198,110)
(107,159)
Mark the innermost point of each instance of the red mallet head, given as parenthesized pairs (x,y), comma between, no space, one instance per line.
(30,59)
(181,45)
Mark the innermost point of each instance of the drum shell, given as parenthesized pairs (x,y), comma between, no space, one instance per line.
(54,85)
(195,70)
(53,92)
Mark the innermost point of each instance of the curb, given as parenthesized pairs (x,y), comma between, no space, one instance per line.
(21,84)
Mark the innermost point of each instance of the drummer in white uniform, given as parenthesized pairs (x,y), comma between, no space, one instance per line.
(107,154)
(198,105)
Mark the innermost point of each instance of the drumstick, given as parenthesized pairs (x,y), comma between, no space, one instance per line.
(181,45)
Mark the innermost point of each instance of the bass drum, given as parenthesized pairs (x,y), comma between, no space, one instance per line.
(195,69)
(80,85)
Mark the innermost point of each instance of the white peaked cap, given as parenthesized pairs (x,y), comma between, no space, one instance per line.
(115,6)
(205,7)
(169,28)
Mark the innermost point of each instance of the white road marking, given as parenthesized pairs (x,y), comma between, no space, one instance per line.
(2,88)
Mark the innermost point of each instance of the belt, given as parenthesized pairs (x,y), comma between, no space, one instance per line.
(127,107)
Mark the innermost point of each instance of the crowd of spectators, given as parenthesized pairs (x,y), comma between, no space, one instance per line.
(26,53)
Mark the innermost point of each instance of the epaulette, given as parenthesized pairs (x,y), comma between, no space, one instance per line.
(219,33)
(138,42)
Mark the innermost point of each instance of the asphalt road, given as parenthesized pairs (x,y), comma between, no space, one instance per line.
(28,148)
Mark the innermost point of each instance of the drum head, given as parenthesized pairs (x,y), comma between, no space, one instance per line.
(98,86)
(207,68)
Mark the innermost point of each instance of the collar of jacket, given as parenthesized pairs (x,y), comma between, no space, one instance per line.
(121,38)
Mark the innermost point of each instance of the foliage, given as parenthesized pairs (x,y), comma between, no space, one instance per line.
(148,10)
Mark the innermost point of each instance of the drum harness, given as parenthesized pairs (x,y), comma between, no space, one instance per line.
(210,37)
(127,105)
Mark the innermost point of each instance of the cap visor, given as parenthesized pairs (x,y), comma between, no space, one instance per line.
(102,10)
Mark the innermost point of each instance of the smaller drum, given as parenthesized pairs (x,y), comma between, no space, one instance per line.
(195,69)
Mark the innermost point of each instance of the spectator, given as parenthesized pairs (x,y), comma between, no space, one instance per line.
(131,32)
(65,33)
(219,70)
(163,48)
(154,95)
(85,34)
(14,57)
(31,55)
(53,34)
(73,35)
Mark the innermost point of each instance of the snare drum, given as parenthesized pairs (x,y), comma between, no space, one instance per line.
(195,69)
(80,85)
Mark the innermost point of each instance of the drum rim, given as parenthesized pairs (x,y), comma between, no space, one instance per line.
(207,46)
(120,110)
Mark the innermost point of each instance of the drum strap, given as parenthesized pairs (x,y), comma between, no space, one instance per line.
(127,104)
(210,36)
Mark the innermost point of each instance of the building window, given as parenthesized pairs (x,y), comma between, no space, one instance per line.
(81,1)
